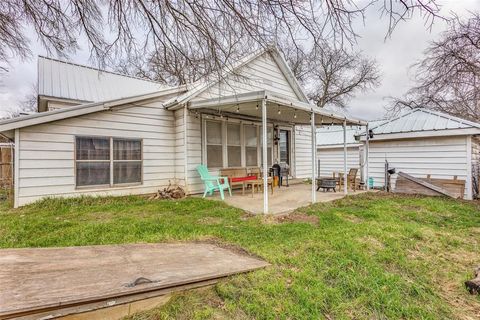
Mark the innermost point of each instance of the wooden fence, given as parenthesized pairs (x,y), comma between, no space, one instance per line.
(6,170)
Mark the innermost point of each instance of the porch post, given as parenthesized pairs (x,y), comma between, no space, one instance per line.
(345,173)
(264,156)
(314,158)
(367,153)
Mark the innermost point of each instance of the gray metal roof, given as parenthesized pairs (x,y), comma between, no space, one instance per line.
(422,120)
(67,80)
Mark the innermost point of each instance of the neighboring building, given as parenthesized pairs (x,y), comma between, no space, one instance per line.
(101,133)
(420,142)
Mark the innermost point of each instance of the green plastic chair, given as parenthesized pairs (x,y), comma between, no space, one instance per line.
(213,183)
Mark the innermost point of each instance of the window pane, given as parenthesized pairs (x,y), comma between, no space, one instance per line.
(90,148)
(93,173)
(233,134)
(127,172)
(250,136)
(214,132)
(234,156)
(126,149)
(251,155)
(214,156)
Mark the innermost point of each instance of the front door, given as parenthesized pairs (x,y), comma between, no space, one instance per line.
(284,146)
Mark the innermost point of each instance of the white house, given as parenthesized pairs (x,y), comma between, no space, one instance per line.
(420,142)
(101,133)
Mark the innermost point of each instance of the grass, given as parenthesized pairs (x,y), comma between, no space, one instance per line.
(371,256)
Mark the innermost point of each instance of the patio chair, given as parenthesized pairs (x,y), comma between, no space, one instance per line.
(213,183)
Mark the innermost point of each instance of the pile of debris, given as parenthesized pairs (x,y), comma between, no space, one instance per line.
(169,193)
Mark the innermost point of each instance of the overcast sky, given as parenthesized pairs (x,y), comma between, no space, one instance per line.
(394,55)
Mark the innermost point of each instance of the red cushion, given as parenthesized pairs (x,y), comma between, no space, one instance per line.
(239,179)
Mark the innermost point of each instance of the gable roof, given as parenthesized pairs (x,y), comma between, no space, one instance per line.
(66,80)
(202,85)
(332,136)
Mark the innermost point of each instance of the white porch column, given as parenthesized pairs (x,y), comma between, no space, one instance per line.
(367,154)
(314,158)
(265,156)
(345,173)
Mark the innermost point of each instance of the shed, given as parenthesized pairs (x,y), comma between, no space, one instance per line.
(421,143)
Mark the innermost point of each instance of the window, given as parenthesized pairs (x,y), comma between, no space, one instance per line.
(234,148)
(103,161)
(251,152)
(214,144)
(127,161)
(230,143)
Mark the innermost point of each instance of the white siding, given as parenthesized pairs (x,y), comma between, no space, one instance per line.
(194,151)
(441,157)
(331,160)
(303,151)
(46,151)
(262,73)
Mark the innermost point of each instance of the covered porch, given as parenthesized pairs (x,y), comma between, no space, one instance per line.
(270,111)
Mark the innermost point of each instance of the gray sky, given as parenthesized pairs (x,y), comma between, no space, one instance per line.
(395,55)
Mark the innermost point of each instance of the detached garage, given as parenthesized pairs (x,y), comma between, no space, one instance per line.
(421,143)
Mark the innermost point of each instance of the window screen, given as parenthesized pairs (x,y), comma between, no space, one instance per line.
(94,160)
(251,154)
(234,148)
(214,144)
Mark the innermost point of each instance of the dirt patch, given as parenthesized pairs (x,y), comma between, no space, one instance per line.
(298,217)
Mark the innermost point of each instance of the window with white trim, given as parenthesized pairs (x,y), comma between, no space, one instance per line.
(251,142)
(107,162)
(234,146)
(214,144)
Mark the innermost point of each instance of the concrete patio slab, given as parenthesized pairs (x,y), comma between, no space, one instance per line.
(283,200)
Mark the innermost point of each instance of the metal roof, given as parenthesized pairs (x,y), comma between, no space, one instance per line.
(422,119)
(67,80)
(333,135)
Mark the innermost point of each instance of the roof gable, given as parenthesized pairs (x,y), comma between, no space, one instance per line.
(65,80)
(422,119)
(265,69)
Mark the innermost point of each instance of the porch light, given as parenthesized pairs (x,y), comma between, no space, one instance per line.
(238,108)
(295,115)
(279,111)
(256,107)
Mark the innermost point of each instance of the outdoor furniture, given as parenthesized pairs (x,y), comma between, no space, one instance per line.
(256,184)
(280,170)
(326,184)
(352,182)
(213,183)
(237,176)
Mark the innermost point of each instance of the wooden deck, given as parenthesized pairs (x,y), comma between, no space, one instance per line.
(55,281)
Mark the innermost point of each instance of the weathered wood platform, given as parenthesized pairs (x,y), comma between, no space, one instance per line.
(58,281)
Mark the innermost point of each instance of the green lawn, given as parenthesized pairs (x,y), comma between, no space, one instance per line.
(371,256)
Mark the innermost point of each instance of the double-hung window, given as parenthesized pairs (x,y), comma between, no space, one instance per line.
(251,142)
(214,144)
(234,147)
(107,162)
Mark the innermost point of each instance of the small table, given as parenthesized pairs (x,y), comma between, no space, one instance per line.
(258,183)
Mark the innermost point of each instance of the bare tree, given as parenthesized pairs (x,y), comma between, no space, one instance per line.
(332,76)
(137,27)
(448,77)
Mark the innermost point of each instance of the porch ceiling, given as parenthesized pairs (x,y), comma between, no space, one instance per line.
(279,108)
